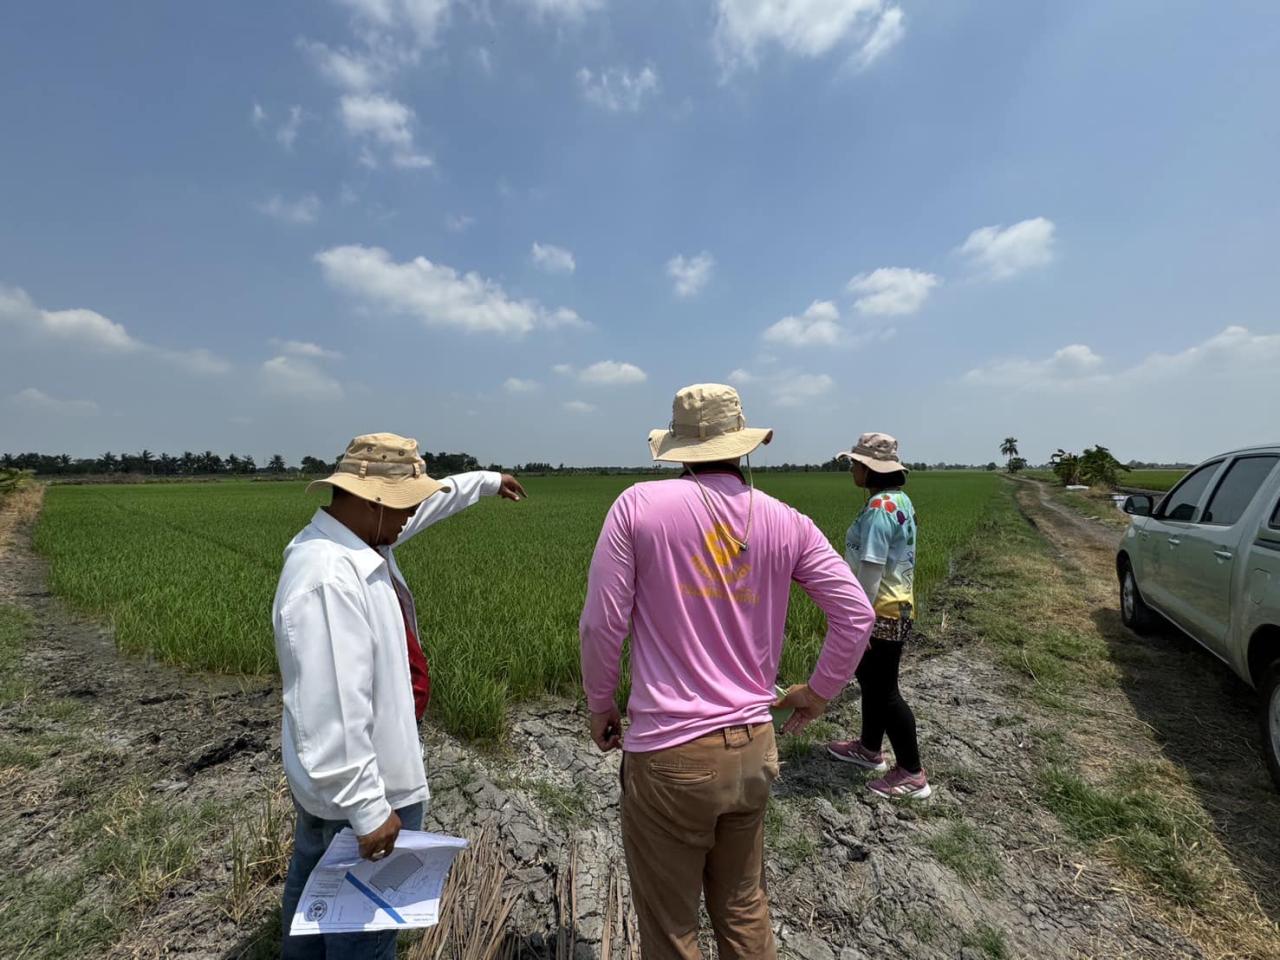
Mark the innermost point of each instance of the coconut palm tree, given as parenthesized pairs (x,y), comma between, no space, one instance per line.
(1009,448)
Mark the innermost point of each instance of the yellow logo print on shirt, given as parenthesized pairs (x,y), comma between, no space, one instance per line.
(724,570)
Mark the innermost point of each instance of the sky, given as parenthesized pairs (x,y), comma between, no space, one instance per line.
(517,227)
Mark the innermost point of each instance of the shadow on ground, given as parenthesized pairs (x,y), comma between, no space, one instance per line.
(1204,718)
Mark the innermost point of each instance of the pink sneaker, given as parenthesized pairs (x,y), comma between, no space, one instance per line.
(852,751)
(901,785)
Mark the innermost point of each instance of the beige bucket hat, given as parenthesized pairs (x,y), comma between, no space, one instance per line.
(706,425)
(876,451)
(383,468)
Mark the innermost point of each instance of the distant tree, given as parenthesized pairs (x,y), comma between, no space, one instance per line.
(1009,448)
(1065,466)
(276,464)
(314,465)
(1098,467)
(108,462)
(992,465)
(247,464)
(1016,464)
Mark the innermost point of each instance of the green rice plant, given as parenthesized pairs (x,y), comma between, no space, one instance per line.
(187,572)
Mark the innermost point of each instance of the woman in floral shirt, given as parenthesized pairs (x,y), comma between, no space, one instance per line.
(880,548)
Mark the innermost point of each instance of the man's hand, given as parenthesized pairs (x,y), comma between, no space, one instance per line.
(376,845)
(511,488)
(606,729)
(806,705)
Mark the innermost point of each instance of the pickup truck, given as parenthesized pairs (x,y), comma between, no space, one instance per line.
(1206,558)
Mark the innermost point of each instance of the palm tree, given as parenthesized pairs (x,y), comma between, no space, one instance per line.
(1009,449)
(108,462)
(145,460)
(276,464)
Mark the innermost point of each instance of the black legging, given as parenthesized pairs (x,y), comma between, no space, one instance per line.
(883,709)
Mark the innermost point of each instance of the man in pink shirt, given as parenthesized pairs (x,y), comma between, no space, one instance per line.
(698,571)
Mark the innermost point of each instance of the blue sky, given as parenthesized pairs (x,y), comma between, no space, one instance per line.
(516,227)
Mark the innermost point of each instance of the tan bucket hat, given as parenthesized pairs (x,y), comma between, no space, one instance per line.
(384,468)
(876,451)
(706,425)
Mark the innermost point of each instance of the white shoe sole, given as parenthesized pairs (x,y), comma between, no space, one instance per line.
(924,793)
(881,767)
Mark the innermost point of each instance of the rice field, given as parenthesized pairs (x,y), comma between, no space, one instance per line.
(1158,480)
(186,573)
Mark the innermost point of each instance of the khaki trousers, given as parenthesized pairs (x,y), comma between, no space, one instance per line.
(693,821)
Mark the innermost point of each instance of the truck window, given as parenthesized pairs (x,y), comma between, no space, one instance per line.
(1275,518)
(1181,503)
(1237,488)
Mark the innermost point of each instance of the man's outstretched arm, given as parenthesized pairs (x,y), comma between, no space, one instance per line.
(465,490)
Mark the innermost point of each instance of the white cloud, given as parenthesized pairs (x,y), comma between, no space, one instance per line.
(424,18)
(88,328)
(887,33)
(517,385)
(384,121)
(352,71)
(795,389)
(617,88)
(303,210)
(612,373)
(457,223)
(563,370)
(563,9)
(786,388)
(39,401)
(257,116)
(436,294)
(1002,252)
(199,361)
(287,133)
(553,259)
(304,348)
(690,274)
(891,291)
(579,406)
(484,60)
(1072,365)
(817,326)
(299,378)
(806,28)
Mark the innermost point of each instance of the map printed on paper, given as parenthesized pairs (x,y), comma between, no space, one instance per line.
(347,894)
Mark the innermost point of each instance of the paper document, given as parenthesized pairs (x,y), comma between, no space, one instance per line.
(347,894)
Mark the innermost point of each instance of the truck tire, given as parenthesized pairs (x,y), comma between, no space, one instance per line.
(1269,689)
(1135,613)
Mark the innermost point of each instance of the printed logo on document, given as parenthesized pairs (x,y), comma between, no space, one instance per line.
(316,910)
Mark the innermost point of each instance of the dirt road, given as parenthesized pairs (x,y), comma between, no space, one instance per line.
(983,870)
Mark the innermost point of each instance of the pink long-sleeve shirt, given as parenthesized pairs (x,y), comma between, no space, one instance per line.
(706,619)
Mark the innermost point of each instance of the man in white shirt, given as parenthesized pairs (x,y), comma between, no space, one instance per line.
(354,677)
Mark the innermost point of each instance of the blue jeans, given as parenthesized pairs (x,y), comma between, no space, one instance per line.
(311,838)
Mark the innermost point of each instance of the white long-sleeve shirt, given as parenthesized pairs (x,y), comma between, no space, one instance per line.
(349,737)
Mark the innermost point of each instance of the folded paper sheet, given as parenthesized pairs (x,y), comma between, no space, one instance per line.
(346,894)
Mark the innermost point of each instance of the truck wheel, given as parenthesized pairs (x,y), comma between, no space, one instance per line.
(1135,613)
(1270,691)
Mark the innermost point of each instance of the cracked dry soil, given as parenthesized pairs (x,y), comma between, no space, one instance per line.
(849,877)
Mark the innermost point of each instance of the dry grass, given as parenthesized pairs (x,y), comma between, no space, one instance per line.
(474,908)
(1107,778)
(261,845)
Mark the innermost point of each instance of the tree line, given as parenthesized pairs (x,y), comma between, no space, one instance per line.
(206,464)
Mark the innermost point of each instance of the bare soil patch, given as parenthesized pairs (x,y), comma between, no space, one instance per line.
(983,870)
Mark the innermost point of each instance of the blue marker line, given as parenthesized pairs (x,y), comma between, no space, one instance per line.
(391,911)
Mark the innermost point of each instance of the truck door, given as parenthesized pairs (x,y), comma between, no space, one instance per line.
(1207,557)
(1161,537)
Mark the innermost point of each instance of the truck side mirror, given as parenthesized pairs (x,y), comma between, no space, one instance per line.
(1138,505)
